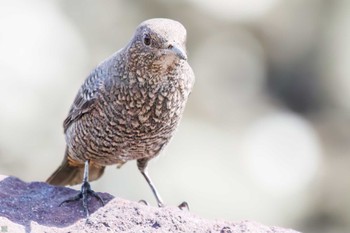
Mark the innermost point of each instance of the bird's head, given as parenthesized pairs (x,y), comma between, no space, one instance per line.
(159,41)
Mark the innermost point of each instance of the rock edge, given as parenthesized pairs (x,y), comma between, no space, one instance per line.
(34,207)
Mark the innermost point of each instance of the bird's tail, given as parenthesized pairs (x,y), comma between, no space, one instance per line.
(67,174)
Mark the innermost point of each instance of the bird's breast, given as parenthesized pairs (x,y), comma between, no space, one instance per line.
(143,111)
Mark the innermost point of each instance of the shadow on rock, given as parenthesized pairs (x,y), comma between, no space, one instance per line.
(23,203)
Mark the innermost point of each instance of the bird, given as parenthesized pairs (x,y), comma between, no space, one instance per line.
(128,108)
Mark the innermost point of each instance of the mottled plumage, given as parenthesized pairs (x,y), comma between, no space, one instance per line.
(130,105)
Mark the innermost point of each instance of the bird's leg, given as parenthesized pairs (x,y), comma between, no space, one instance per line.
(142,166)
(85,191)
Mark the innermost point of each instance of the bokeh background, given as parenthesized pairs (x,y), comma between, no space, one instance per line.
(266,132)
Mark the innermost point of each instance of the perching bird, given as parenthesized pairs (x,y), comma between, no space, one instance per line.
(128,107)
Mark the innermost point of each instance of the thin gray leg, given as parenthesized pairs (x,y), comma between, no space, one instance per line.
(142,166)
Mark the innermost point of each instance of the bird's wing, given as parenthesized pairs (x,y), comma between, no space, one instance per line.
(86,98)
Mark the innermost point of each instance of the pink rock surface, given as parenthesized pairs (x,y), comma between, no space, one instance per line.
(34,207)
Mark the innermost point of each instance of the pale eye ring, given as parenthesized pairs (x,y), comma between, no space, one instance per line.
(147,39)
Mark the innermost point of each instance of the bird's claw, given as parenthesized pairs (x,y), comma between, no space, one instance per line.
(143,202)
(184,205)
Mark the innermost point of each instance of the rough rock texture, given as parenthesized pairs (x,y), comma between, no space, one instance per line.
(33,207)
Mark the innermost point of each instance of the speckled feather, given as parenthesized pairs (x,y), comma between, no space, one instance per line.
(130,105)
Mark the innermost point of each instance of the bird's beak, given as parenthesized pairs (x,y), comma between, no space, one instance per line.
(178,51)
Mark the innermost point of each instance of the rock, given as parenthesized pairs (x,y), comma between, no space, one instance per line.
(34,207)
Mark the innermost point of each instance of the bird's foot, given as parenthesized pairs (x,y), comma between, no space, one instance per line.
(160,204)
(183,206)
(83,194)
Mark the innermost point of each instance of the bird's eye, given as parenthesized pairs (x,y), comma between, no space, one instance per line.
(147,40)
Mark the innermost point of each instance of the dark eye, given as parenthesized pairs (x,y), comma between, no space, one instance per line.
(147,39)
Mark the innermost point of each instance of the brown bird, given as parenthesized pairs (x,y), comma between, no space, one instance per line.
(128,107)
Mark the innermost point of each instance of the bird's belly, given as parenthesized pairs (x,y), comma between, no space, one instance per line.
(106,143)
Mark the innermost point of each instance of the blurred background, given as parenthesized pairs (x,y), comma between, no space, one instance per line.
(265,135)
